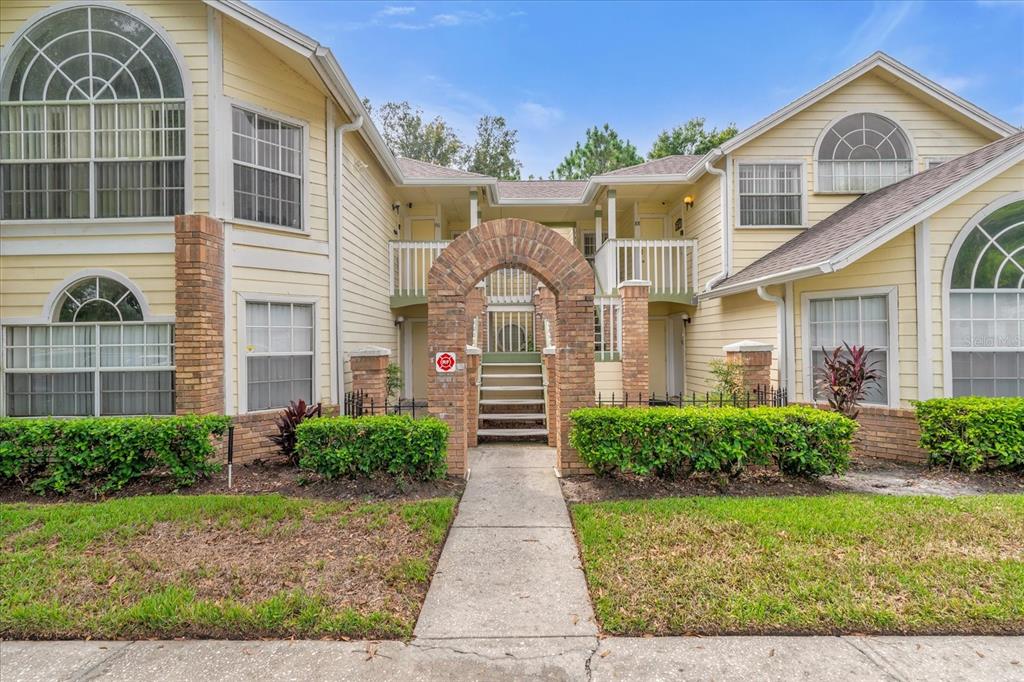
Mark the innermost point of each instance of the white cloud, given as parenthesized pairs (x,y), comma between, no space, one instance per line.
(396,10)
(539,116)
(871,34)
(957,83)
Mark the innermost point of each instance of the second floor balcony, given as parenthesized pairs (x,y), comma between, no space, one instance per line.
(668,264)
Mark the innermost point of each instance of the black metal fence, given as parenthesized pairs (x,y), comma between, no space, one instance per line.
(358,404)
(755,397)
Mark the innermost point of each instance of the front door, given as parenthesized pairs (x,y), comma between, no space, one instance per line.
(658,356)
(422,230)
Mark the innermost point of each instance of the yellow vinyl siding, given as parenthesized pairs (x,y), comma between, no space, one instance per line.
(367,225)
(721,321)
(608,380)
(892,264)
(703,223)
(944,227)
(185,25)
(27,281)
(931,131)
(254,75)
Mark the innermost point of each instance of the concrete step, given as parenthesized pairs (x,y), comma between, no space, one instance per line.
(511,401)
(512,388)
(485,365)
(511,433)
(513,376)
(513,416)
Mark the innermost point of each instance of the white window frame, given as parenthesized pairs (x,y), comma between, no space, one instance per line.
(892,365)
(230,104)
(937,160)
(187,92)
(947,282)
(756,161)
(241,299)
(893,119)
(46,319)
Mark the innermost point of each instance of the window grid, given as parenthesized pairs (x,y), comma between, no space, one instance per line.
(268,173)
(280,353)
(90,85)
(854,320)
(861,153)
(771,194)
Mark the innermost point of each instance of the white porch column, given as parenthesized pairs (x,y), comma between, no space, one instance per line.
(611,214)
(474,213)
(597,228)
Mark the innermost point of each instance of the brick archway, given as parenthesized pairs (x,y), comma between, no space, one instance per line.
(561,267)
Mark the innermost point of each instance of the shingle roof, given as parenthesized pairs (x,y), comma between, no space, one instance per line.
(413,168)
(677,164)
(867,215)
(542,189)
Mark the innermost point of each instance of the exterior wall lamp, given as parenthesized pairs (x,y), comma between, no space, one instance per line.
(688,201)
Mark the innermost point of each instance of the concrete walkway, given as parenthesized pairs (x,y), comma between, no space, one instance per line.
(510,568)
(509,601)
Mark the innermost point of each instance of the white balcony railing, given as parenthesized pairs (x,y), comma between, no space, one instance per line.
(670,265)
(409,264)
(510,285)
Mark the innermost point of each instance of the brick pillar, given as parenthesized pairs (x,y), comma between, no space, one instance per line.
(472,395)
(199,314)
(369,374)
(551,368)
(755,358)
(636,367)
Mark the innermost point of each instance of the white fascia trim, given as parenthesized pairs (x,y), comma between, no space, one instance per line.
(858,250)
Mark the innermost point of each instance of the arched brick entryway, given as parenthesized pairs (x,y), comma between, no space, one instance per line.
(557,263)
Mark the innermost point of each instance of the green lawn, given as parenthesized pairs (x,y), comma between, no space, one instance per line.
(829,564)
(217,566)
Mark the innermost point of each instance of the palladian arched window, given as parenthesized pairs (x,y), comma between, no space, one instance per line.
(861,153)
(98,356)
(92,120)
(986,307)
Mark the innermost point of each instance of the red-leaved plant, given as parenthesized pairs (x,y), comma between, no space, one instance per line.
(287,421)
(845,378)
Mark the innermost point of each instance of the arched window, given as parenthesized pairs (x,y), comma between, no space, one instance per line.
(986,307)
(99,356)
(92,120)
(861,153)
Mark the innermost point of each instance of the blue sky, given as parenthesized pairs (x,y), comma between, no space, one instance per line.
(553,69)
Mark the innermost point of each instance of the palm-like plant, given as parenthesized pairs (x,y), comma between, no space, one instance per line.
(845,377)
(287,421)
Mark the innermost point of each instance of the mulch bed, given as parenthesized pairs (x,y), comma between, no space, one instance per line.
(259,477)
(866,474)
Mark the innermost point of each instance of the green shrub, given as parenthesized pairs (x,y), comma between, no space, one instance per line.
(396,445)
(672,441)
(973,433)
(105,453)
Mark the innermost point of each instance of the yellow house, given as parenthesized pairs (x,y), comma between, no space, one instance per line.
(199,215)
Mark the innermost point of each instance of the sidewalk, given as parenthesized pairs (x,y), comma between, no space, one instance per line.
(577,658)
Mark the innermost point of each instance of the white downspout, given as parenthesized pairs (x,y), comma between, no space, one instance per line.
(780,309)
(724,198)
(339,159)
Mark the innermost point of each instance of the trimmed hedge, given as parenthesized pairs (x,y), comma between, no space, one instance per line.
(397,445)
(106,453)
(973,433)
(673,441)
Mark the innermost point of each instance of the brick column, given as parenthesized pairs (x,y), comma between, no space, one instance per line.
(636,366)
(755,358)
(199,314)
(369,374)
(472,395)
(551,368)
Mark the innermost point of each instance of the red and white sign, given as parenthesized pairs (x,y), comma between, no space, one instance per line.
(444,362)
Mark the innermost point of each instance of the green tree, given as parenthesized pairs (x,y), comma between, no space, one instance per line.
(602,151)
(408,135)
(690,138)
(494,152)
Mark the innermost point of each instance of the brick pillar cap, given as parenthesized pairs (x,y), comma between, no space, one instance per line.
(748,347)
(549,350)
(635,283)
(473,350)
(371,352)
